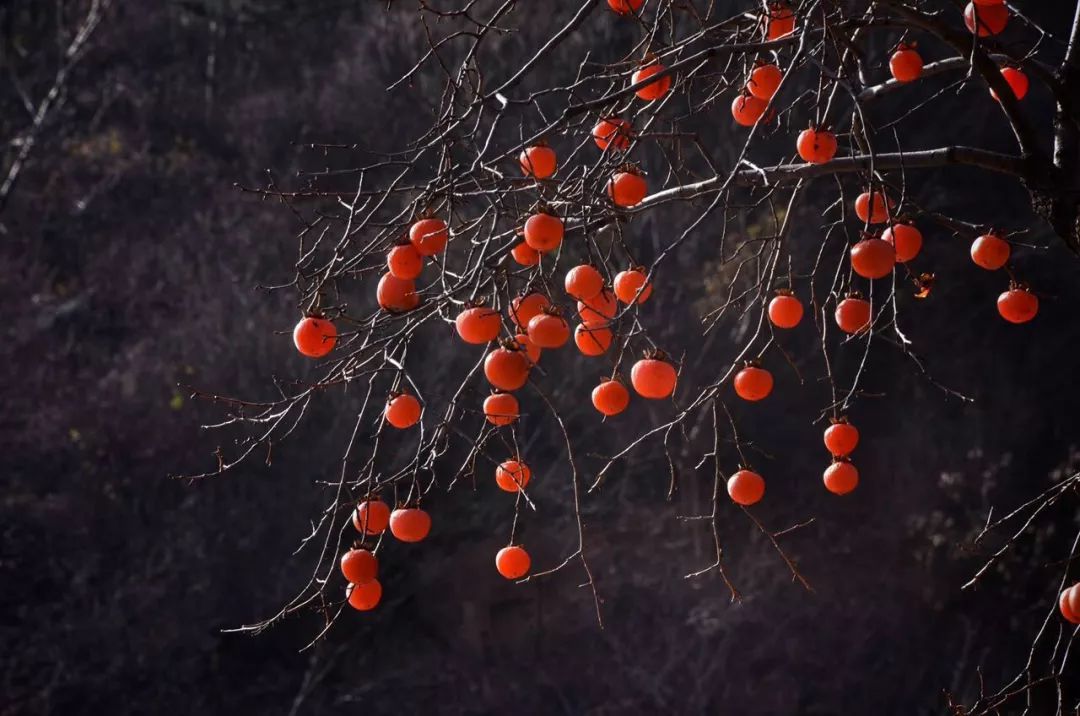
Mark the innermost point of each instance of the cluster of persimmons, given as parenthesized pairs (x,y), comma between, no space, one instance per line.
(540,325)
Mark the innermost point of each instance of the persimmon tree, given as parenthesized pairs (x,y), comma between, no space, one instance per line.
(445,288)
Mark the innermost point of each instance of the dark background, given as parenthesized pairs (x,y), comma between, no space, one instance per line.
(128,267)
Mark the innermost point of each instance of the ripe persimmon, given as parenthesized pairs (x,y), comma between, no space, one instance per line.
(764,80)
(402,410)
(405,262)
(538,161)
(779,22)
(523,308)
(548,329)
(593,338)
(543,232)
(841,438)
(359,566)
(513,562)
(625,7)
(882,207)
(532,351)
(371,517)
(906,64)
(1069,604)
(1017,81)
(653,377)
(627,188)
(991,19)
(429,236)
(841,477)
(501,409)
(785,311)
(746,487)
(657,88)
(410,524)
(364,597)
(1018,304)
(753,383)
(511,475)
(396,295)
(314,337)
(525,255)
(816,146)
(990,251)
(748,109)
(583,282)
(478,325)
(600,306)
(632,286)
(612,132)
(610,397)
(507,368)
(906,241)
(873,258)
(853,315)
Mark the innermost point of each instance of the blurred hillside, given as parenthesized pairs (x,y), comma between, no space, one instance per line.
(129,266)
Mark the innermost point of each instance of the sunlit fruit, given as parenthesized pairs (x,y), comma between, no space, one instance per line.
(371,517)
(816,146)
(410,524)
(478,325)
(841,438)
(653,378)
(746,487)
(779,22)
(873,258)
(906,241)
(655,89)
(747,109)
(501,409)
(525,255)
(583,282)
(906,64)
(991,252)
(1018,305)
(1069,604)
(511,475)
(873,210)
(513,562)
(785,311)
(841,477)
(395,294)
(532,351)
(364,597)
(764,81)
(992,19)
(610,397)
(853,315)
(612,132)
(538,161)
(543,232)
(405,262)
(593,338)
(632,286)
(523,308)
(359,566)
(402,410)
(506,368)
(429,236)
(1017,81)
(753,383)
(627,189)
(314,337)
(548,330)
(602,305)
